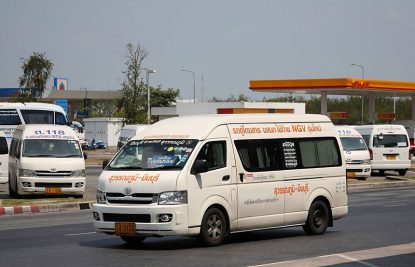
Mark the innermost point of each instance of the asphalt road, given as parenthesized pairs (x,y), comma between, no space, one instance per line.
(379,228)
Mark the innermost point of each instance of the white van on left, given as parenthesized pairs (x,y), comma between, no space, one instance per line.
(46,159)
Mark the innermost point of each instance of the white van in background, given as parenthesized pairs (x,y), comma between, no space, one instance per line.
(46,159)
(356,153)
(213,175)
(4,157)
(388,147)
(129,131)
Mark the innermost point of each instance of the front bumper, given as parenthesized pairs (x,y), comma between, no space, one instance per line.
(38,185)
(111,213)
(361,170)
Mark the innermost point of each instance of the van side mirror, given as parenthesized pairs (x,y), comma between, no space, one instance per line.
(105,163)
(200,166)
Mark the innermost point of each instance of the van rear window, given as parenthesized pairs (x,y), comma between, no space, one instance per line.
(282,154)
(390,140)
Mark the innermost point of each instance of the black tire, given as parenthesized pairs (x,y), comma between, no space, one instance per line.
(381,172)
(78,196)
(214,228)
(318,218)
(133,240)
(402,172)
(361,178)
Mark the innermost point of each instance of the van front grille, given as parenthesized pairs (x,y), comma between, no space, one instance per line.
(136,198)
(53,174)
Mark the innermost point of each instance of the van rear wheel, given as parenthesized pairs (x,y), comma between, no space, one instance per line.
(402,172)
(214,227)
(318,218)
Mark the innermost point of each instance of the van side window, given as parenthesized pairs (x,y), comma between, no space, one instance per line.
(319,153)
(9,117)
(60,118)
(366,137)
(258,155)
(287,154)
(3,146)
(214,153)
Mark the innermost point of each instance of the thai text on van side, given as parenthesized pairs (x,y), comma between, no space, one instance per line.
(277,128)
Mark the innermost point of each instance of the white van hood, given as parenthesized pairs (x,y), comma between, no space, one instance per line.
(57,164)
(350,156)
(138,181)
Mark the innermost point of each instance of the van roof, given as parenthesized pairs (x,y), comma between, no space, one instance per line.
(30,105)
(199,126)
(46,131)
(347,131)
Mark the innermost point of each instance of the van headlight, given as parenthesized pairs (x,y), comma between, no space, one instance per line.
(101,197)
(366,161)
(27,173)
(78,173)
(173,198)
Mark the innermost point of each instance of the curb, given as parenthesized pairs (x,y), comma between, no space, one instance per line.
(45,208)
(379,186)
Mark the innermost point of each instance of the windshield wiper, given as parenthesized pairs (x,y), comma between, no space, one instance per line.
(126,168)
(167,167)
(69,156)
(38,155)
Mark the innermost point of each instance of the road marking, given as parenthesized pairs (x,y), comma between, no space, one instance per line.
(360,256)
(89,233)
(395,205)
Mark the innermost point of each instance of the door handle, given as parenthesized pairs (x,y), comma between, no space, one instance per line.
(226,178)
(241,177)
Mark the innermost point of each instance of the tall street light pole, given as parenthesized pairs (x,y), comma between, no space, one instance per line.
(148,71)
(363,76)
(194,84)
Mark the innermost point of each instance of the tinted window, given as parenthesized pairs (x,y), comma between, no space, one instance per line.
(9,117)
(390,140)
(353,143)
(51,148)
(60,119)
(279,154)
(214,153)
(37,116)
(3,146)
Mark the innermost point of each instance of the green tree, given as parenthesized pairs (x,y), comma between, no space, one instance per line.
(36,72)
(134,101)
(163,98)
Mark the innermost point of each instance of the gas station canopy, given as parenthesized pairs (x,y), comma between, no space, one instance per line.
(337,86)
(340,86)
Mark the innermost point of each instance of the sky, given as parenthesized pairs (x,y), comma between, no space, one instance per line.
(227,42)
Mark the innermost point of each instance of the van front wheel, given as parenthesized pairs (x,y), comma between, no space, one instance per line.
(214,227)
(402,172)
(318,218)
(133,240)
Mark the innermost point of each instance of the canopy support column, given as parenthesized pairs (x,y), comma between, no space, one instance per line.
(372,108)
(323,103)
(413,107)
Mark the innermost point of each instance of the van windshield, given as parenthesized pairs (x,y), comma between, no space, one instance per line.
(154,154)
(51,148)
(390,140)
(353,143)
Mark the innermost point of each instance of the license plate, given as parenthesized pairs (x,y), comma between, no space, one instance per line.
(53,190)
(350,175)
(391,157)
(125,229)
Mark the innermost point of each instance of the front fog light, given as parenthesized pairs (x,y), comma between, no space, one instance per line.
(165,217)
(101,198)
(96,216)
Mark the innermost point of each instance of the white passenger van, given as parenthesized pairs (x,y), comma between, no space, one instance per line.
(388,147)
(46,159)
(356,153)
(4,155)
(212,175)
(129,131)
